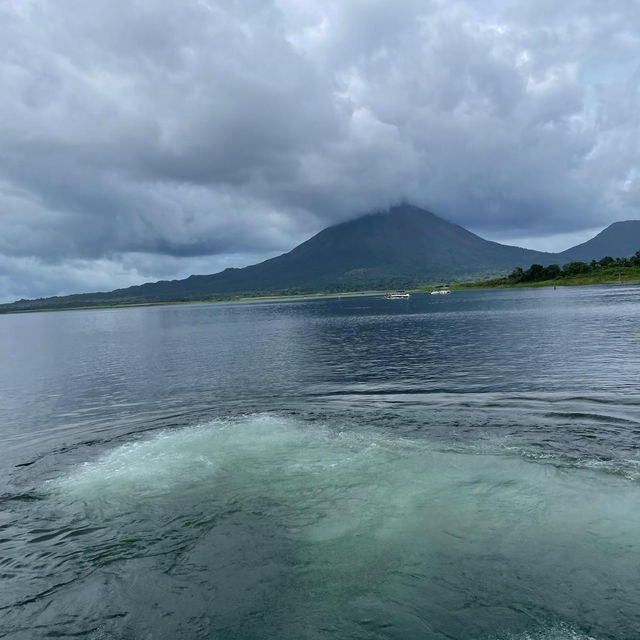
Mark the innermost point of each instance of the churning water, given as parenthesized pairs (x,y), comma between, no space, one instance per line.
(463,468)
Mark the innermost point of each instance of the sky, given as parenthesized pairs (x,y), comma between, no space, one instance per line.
(143,140)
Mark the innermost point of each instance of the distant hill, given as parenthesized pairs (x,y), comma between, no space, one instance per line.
(400,248)
(618,240)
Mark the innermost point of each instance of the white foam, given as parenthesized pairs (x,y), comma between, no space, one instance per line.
(258,448)
(310,466)
(366,507)
(557,632)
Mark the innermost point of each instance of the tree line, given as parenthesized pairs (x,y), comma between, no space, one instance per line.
(538,273)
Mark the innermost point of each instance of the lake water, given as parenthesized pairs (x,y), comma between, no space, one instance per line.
(459,467)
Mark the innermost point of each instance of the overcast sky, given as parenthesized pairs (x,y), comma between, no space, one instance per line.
(142,140)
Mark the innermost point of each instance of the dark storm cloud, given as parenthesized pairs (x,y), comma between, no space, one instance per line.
(139,142)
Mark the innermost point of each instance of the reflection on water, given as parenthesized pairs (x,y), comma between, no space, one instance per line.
(466,468)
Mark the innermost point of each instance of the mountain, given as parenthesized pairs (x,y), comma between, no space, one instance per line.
(400,248)
(619,240)
(404,242)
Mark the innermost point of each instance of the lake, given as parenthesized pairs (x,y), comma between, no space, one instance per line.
(461,467)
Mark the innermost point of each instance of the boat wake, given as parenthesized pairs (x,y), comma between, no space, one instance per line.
(292,528)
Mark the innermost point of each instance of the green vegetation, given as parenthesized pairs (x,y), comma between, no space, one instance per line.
(606,270)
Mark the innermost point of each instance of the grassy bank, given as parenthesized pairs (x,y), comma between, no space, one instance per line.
(604,275)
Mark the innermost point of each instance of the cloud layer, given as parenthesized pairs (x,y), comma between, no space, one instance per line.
(140,141)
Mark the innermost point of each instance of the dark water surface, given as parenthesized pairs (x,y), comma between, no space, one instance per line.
(459,467)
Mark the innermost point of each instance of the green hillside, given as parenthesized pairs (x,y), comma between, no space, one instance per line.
(605,271)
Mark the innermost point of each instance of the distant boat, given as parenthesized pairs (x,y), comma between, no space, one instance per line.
(444,289)
(397,295)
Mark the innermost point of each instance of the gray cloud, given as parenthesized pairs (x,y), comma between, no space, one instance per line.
(139,143)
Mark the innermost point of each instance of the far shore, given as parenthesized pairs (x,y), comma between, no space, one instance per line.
(538,285)
(172,303)
(628,279)
(629,276)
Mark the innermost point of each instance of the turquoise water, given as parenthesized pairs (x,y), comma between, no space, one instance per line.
(461,468)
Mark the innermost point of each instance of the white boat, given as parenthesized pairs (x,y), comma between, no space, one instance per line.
(441,291)
(397,295)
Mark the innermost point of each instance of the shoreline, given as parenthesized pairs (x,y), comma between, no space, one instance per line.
(462,286)
(607,275)
(542,284)
(170,303)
